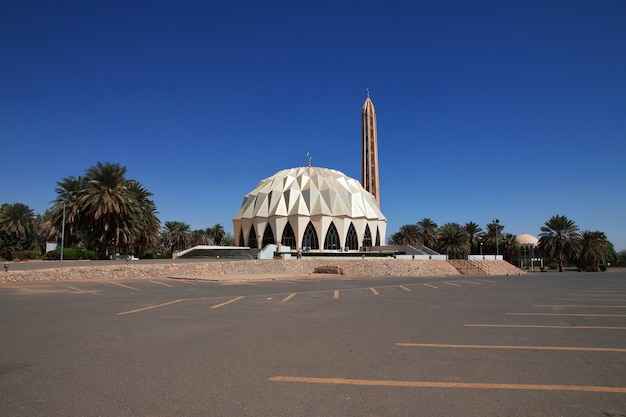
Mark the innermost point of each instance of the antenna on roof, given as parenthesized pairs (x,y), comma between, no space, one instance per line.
(308,159)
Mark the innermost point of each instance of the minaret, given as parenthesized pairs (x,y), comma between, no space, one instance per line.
(369,137)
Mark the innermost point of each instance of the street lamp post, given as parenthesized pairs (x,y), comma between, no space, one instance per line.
(481,249)
(63,233)
(497,222)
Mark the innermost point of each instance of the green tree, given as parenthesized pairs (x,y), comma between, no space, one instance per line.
(17,228)
(492,237)
(593,248)
(559,239)
(474,233)
(508,246)
(453,241)
(406,235)
(200,237)
(216,233)
(175,235)
(427,230)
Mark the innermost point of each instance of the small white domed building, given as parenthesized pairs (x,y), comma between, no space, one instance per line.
(310,208)
(527,247)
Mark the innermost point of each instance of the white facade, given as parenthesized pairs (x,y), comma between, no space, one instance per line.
(310,207)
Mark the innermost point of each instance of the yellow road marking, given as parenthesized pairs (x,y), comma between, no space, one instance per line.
(431,286)
(94,292)
(374,291)
(405,288)
(452,283)
(433,384)
(152,307)
(161,283)
(125,286)
(566,314)
(289,297)
(575,306)
(228,302)
(559,348)
(532,326)
(472,282)
(336,295)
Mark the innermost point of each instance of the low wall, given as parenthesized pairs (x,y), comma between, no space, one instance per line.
(376,267)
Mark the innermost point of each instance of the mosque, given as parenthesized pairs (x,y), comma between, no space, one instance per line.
(317,209)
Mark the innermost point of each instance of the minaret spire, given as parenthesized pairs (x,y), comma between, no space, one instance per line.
(369,138)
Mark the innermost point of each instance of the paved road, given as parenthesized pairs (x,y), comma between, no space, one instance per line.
(538,345)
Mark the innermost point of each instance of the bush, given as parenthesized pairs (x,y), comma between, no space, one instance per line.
(602,267)
(71,254)
(553,265)
(20,255)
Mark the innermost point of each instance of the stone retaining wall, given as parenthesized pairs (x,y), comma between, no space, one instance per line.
(233,270)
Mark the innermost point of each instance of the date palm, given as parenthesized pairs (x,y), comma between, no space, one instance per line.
(428,232)
(559,239)
(474,232)
(406,235)
(593,248)
(175,235)
(17,227)
(453,241)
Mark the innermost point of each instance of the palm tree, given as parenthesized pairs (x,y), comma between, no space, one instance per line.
(428,232)
(453,241)
(175,235)
(216,233)
(200,237)
(508,246)
(406,235)
(17,227)
(559,239)
(493,236)
(593,248)
(474,233)
(143,225)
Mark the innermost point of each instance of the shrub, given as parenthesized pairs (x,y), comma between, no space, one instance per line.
(25,254)
(602,267)
(553,265)
(71,254)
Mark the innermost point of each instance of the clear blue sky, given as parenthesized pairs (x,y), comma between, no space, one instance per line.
(513,110)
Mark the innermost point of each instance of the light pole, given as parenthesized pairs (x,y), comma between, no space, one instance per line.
(497,222)
(63,232)
(481,249)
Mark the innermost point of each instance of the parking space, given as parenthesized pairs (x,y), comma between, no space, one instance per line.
(536,345)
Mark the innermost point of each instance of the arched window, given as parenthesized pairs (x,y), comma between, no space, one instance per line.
(268,236)
(367,239)
(241,242)
(332,238)
(309,240)
(252,242)
(352,241)
(377,237)
(288,239)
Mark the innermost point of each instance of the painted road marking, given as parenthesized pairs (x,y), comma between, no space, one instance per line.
(405,288)
(125,286)
(559,348)
(228,302)
(485,280)
(336,295)
(591,299)
(78,290)
(138,310)
(433,384)
(472,282)
(289,297)
(575,306)
(452,283)
(566,314)
(431,286)
(374,291)
(532,326)
(161,283)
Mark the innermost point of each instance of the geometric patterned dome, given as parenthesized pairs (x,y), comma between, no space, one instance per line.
(310,207)
(309,191)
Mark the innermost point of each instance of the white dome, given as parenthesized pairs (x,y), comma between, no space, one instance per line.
(297,206)
(309,191)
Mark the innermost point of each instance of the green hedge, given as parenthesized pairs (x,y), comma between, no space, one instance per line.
(72,254)
(20,255)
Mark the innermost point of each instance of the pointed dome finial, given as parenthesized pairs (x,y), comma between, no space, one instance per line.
(308,159)
(368,92)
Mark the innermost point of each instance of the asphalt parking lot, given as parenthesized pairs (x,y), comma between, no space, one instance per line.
(536,345)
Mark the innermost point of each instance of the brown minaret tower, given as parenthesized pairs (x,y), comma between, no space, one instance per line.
(369,138)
